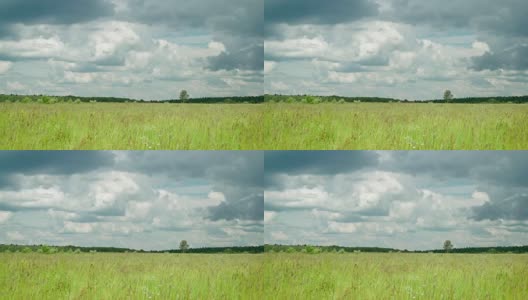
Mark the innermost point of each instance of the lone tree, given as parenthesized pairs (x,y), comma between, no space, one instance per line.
(448,96)
(448,246)
(184,246)
(184,96)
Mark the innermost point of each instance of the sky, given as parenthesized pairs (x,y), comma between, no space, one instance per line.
(407,49)
(139,200)
(406,200)
(142,49)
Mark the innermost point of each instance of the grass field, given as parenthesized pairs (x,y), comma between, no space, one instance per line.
(131,276)
(112,126)
(361,126)
(396,276)
(396,126)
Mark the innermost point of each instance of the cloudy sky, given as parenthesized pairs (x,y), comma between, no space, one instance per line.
(140,200)
(409,49)
(406,200)
(148,49)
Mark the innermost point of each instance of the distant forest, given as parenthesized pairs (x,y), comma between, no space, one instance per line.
(338,99)
(307,99)
(75,249)
(74,99)
(320,249)
(311,249)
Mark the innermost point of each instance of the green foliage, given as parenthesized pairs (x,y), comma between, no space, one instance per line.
(448,96)
(184,96)
(290,250)
(448,246)
(184,246)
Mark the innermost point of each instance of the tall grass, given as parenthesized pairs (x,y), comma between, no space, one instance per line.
(396,276)
(131,276)
(396,126)
(111,126)
(365,126)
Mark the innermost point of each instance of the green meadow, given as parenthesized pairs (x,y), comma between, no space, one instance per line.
(396,126)
(396,276)
(130,126)
(130,276)
(272,126)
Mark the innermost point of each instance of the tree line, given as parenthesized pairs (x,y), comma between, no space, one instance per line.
(447,247)
(48,249)
(448,98)
(46,99)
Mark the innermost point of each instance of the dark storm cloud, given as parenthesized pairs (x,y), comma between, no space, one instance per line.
(53,11)
(232,167)
(248,208)
(506,17)
(488,19)
(53,162)
(514,57)
(512,208)
(238,24)
(314,163)
(317,162)
(509,168)
(316,12)
(249,58)
(237,174)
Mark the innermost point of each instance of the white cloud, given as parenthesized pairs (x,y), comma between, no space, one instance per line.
(5,66)
(125,203)
(268,216)
(279,236)
(15,236)
(403,200)
(72,227)
(269,66)
(379,58)
(5,216)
